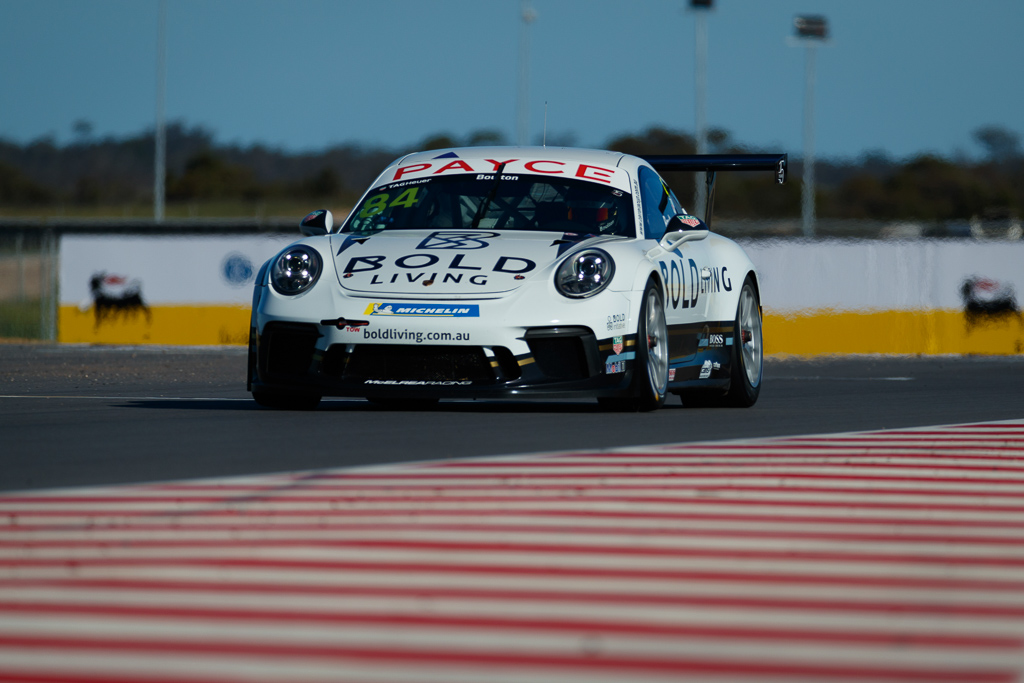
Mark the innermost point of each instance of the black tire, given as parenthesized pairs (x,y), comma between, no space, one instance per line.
(747,350)
(650,367)
(277,400)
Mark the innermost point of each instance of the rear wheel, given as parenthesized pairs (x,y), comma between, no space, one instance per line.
(650,365)
(747,350)
(746,359)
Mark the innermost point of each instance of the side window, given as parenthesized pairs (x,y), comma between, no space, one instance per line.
(654,197)
(674,208)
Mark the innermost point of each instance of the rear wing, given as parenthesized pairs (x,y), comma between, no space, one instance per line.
(710,164)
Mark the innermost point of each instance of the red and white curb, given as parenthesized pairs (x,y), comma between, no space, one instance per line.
(878,556)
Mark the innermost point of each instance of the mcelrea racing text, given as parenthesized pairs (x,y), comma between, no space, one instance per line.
(416,337)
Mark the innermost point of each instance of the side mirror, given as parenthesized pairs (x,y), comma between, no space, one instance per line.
(319,222)
(681,229)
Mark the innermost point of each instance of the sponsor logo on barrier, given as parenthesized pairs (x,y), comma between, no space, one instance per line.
(237,269)
(423,310)
(115,297)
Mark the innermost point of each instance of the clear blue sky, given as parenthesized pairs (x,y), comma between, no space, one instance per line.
(900,76)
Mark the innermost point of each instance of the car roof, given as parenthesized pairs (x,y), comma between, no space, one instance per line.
(568,154)
(613,169)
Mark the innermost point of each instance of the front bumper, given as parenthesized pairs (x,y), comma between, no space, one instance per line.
(478,355)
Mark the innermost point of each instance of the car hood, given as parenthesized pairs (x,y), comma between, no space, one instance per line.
(448,263)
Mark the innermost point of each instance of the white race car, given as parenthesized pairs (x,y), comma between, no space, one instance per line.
(500,272)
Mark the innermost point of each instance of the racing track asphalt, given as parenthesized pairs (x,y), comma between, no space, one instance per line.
(74,415)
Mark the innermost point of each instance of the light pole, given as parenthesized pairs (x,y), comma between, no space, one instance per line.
(700,41)
(523,104)
(811,31)
(160,135)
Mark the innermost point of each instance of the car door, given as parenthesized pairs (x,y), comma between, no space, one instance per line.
(682,270)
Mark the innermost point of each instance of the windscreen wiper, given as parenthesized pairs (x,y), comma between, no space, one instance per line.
(486,203)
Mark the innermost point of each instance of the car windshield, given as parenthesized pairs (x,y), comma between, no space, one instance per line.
(511,202)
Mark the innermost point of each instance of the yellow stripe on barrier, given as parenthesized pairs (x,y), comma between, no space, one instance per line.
(904,332)
(809,333)
(185,325)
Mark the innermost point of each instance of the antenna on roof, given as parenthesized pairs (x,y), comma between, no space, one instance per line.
(544,138)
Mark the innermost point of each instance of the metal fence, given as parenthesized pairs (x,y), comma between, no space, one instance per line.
(29,262)
(28,284)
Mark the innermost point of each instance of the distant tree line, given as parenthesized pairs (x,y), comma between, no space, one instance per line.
(109,171)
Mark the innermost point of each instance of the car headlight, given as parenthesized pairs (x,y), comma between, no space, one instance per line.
(584,274)
(296,270)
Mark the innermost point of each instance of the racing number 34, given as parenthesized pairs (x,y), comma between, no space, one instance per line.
(379,202)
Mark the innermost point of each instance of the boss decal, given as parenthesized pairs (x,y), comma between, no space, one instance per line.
(710,340)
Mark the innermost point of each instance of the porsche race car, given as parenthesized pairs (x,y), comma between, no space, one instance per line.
(504,272)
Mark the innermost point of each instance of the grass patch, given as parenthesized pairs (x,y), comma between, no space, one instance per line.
(21,319)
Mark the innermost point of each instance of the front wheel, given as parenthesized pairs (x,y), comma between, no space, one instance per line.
(277,400)
(650,365)
(747,350)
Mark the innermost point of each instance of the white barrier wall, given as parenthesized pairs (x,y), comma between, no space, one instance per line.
(884,296)
(163,289)
(864,296)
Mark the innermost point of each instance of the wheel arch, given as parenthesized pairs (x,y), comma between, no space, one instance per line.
(646,272)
